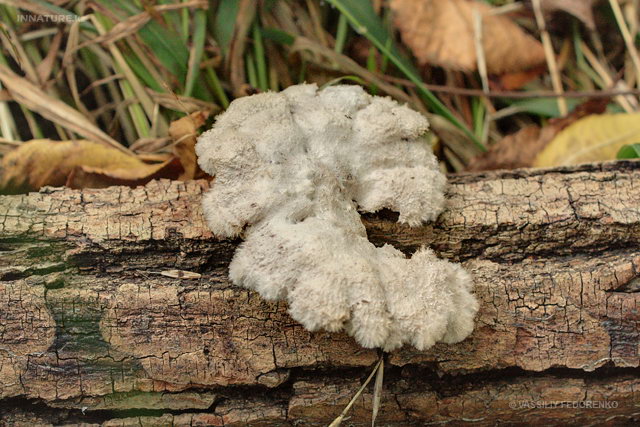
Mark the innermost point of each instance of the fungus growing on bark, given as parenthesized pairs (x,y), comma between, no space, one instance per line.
(292,169)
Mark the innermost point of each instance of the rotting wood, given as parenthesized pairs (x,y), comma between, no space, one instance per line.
(92,332)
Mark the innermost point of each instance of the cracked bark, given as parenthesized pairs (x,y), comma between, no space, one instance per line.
(91,331)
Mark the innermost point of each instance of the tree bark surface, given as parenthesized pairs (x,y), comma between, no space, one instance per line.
(116,310)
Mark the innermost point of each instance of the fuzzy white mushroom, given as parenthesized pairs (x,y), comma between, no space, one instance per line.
(291,171)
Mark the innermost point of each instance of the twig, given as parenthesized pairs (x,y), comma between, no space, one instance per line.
(630,11)
(344,412)
(480,58)
(551,58)
(377,391)
(606,93)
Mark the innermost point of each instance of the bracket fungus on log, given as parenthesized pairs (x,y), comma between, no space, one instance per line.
(291,170)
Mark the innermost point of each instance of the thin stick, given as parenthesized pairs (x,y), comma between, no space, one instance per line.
(481,60)
(518,95)
(630,10)
(626,35)
(377,392)
(340,418)
(550,56)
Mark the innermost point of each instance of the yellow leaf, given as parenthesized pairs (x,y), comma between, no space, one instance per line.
(592,139)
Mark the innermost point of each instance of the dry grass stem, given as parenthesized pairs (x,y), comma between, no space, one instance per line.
(551,58)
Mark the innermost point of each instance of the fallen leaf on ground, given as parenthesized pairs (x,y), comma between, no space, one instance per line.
(77,164)
(592,139)
(513,151)
(520,149)
(442,33)
(184,133)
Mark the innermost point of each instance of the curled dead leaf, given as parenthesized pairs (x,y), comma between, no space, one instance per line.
(77,164)
(515,150)
(442,33)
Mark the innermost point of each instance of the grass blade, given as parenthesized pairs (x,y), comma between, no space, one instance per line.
(137,91)
(225,20)
(216,86)
(195,55)
(261,63)
(341,34)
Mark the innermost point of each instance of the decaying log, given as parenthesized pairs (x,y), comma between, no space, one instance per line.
(98,327)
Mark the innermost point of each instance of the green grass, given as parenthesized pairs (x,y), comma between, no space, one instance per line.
(184,55)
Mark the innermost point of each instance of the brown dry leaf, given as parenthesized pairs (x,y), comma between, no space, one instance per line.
(581,9)
(184,132)
(442,33)
(520,149)
(78,164)
(514,151)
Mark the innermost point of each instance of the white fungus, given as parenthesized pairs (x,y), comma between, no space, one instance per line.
(292,169)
